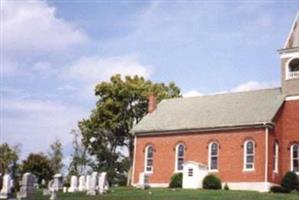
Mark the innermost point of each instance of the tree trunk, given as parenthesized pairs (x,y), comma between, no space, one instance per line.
(131,157)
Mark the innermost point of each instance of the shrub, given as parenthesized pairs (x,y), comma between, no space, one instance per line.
(176,180)
(211,182)
(226,187)
(290,181)
(278,189)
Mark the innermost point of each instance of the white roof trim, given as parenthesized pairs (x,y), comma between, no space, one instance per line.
(291,31)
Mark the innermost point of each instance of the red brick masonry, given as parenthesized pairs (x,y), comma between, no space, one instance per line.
(230,157)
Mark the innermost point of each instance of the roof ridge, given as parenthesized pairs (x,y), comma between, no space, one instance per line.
(224,93)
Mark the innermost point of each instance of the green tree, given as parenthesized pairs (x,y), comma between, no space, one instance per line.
(122,103)
(80,159)
(56,156)
(39,165)
(9,157)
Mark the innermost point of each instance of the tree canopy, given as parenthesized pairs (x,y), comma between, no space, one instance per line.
(39,165)
(55,155)
(122,102)
(8,158)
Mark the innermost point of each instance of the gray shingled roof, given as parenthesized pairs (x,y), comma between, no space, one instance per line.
(212,111)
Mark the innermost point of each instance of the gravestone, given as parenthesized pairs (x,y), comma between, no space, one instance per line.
(27,185)
(58,182)
(82,183)
(52,188)
(143,181)
(103,183)
(88,182)
(6,187)
(74,184)
(93,184)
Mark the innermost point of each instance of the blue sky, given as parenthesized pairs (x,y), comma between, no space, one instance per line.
(54,52)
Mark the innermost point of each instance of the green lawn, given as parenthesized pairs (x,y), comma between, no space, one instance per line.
(168,194)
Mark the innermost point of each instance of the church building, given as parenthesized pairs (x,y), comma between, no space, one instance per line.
(247,139)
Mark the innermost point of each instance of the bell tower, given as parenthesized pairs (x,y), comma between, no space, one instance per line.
(289,56)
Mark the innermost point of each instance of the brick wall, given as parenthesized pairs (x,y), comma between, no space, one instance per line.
(230,162)
(286,132)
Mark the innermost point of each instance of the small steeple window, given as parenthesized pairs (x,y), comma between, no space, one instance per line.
(293,69)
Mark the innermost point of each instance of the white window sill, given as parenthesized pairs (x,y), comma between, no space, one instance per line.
(213,170)
(248,170)
(148,173)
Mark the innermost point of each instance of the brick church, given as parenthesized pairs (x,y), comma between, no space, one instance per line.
(248,139)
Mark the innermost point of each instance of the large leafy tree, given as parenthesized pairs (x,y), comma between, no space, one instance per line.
(122,103)
(39,165)
(55,155)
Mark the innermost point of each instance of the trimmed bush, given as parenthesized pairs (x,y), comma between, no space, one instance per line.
(212,182)
(226,187)
(290,181)
(176,180)
(278,189)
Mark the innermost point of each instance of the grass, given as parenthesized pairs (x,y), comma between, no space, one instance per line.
(169,194)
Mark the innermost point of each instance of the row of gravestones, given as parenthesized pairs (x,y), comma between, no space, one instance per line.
(94,184)
(27,185)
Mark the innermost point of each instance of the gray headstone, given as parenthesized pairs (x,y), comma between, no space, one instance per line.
(27,186)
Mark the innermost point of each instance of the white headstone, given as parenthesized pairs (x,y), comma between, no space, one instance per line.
(58,183)
(103,183)
(82,183)
(6,187)
(88,182)
(93,184)
(52,187)
(74,184)
(27,186)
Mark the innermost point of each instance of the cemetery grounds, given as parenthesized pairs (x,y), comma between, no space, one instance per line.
(127,193)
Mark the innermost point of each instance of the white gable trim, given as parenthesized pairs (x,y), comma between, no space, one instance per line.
(291,31)
(292,98)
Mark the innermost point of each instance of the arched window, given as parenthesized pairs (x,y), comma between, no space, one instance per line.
(249,154)
(293,69)
(180,153)
(149,154)
(275,157)
(213,156)
(295,158)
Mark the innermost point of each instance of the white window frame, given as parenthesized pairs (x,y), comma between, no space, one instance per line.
(287,68)
(246,154)
(177,157)
(276,157)
(146,160)
(292,158)
(210,157)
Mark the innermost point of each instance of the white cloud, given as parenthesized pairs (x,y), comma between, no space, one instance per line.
(95,69)
(254,85)
(192,93)
(32,26)
(35,123)
(247,86)
(92,70)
